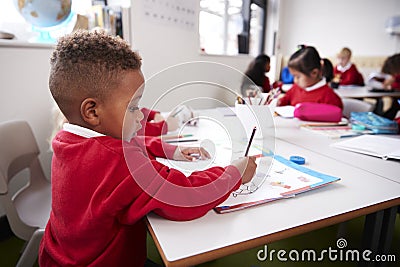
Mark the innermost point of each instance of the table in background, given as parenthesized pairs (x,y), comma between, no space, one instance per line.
(363,92)
(290,130)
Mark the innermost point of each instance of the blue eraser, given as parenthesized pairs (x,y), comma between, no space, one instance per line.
(298,160)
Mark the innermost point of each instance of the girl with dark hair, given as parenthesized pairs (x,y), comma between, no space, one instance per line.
(309,82)
(255,76)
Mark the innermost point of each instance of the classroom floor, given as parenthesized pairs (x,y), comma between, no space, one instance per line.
(317,240)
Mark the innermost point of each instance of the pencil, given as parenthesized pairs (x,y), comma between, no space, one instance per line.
(181,140)
(251,140)
(174,136)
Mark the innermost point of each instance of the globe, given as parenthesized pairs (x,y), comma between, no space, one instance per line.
(44,13)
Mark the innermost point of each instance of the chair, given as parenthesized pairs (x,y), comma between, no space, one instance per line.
(355,105)
(28,209)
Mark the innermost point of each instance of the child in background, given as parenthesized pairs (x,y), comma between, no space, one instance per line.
(309,83)
(391,67)
(105,179)
(255,73)
(346,73)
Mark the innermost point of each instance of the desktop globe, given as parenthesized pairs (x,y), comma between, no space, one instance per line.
(44,15)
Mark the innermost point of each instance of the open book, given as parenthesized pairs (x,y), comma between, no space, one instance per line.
(374,145)
(285,179)
(275,178)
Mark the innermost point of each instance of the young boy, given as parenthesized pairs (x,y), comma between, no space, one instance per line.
(346,73)
(104,177)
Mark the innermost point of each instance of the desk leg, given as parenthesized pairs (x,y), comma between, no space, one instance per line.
(378,234)
(388,224)
(371,234)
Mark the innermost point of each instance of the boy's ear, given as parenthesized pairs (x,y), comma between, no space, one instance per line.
(89,111)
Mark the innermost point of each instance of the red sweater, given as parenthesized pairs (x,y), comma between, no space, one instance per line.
(324,94)
(150,128)
(396,83)
(98,206)
(350,76)
(266,85)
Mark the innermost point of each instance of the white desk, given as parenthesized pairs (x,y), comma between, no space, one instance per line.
(362,92)
(213,236)
(290,131)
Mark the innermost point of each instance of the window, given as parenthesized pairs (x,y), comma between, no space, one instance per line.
(230,27)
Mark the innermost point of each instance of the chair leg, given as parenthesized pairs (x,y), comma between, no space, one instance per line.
(30,253)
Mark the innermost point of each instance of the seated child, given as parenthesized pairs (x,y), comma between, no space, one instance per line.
(309,83)
(105,179)
(391,68)
(346,73)
(255,75)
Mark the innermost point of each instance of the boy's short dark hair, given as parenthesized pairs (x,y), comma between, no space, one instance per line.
(305,60)
(88,64)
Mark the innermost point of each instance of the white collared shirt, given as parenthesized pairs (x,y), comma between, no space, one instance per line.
(81,131)
(343,69)
(316,86)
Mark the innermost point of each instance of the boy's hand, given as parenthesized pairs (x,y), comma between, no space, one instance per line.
(191,153)
(247,167)
(173,123)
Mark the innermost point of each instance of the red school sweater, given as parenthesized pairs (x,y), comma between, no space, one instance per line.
(149,127)
(324,95)
(350,76)
(98,208)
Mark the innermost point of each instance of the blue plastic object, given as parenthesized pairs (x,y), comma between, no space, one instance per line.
(298,160)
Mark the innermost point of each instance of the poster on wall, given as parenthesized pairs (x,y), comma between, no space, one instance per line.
(174,13)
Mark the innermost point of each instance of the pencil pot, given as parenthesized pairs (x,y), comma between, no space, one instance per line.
(255,115)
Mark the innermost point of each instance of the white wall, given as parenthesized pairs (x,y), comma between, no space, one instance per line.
(25,94)
(163,45)
(330,25)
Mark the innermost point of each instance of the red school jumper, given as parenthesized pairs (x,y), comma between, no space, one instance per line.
(323,94)
(149,127)
(349,77)
(98,208)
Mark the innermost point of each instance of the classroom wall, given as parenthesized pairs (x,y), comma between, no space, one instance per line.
(330,25)
(163,45)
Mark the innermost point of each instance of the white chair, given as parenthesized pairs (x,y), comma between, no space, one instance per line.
(355,105)
(28,209)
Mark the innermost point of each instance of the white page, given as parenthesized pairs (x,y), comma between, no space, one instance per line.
(285,111)
(375,145)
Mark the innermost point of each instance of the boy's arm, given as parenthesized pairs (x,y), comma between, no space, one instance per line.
(193,196)
(157,148)
(153,128)
(148,114)
(169,193)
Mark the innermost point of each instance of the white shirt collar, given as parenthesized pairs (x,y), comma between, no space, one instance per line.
(316,86)
(343,69)
(81,131)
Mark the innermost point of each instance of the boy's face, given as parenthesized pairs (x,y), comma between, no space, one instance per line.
(120,115)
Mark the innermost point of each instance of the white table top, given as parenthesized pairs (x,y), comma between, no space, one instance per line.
(290,131)
(361,92)
(353,196)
